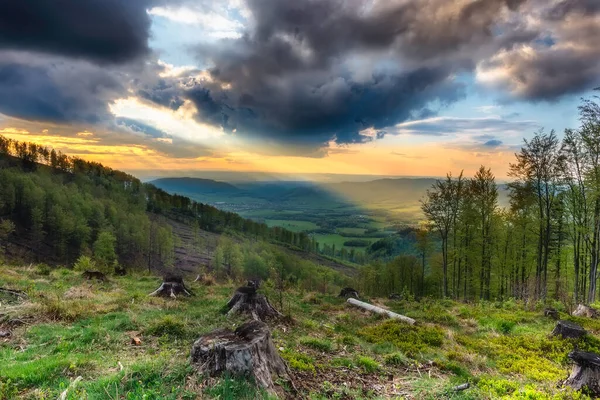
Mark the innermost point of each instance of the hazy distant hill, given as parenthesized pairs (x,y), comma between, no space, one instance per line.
(384,191)
(195,185)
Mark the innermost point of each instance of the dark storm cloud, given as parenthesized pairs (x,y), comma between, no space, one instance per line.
(56,90)
(314,71)
(107,31)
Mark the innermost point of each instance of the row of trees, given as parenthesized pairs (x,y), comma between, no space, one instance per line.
(546,243)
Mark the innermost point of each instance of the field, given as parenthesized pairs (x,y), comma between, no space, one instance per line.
(68,327)
(292,225)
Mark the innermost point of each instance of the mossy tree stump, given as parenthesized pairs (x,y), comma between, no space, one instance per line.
(568,330)
(246,300)
(586,372)
(248,351)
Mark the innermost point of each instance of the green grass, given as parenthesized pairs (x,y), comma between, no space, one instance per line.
(503,350)
(292,225)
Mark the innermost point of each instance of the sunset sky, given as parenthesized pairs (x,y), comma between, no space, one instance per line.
(376,87)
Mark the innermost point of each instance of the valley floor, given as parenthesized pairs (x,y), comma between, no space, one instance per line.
(69,327)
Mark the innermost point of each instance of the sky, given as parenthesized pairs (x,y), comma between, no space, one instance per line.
(373,87)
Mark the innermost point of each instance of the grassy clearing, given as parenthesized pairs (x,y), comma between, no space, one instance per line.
(338,240)
(80,328)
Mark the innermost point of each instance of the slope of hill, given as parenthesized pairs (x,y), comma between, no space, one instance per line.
(57,208)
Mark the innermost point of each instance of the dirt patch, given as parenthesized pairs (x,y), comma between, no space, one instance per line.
(79,292)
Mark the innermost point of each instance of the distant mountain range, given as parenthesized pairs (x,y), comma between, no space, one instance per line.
(195,185)
(377,192)
(387,192)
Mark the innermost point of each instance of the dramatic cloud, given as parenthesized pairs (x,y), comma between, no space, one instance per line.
(564,60)
(300,75)
(482,129)
(107,31)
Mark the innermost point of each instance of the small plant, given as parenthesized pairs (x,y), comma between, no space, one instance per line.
(8,390)
(342,362)
(397,359)
(317,344)
(367,364)
(299,361)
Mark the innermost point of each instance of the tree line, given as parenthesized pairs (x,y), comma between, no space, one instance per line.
(544,244)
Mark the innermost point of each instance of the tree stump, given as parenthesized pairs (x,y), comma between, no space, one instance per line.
(551,312)
(247,300)
(171,286)
(248,351)
(586,372)
(586,311)
(348,292)
(89,275)
(568,330)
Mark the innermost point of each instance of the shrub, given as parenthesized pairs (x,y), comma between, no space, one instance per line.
(410,339)
(43,269)
(84,263)
(497,387)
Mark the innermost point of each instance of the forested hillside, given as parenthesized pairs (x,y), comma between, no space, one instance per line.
(56,208)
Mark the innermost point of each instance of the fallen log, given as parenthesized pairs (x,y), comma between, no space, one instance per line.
(379,310)
(248,351)
(586,372)
(172,286)
(586,311)
(13,292)
(568,330)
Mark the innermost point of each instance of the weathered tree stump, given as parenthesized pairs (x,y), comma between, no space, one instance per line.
(551,312)
(348,292)
(247,300)
(249,351)
(568,330)
(586,372)
(172,286)
(586,311)
(89,275)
